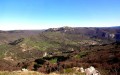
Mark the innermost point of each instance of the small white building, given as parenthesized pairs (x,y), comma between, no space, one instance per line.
(45,54)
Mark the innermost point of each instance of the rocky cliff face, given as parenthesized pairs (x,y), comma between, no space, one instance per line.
(110,33)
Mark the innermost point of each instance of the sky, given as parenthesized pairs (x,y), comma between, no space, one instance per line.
(43,14)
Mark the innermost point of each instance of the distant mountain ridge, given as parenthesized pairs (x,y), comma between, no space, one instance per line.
(109,33)
(112,33)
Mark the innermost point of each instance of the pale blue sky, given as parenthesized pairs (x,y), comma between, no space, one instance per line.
(41,14)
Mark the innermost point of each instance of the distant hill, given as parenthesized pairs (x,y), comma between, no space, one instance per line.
(108,34)
(111,33)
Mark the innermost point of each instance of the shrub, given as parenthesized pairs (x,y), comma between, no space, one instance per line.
(82,54)
(68,70)
(53,60)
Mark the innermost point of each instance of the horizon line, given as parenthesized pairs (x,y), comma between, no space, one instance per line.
(35,29)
